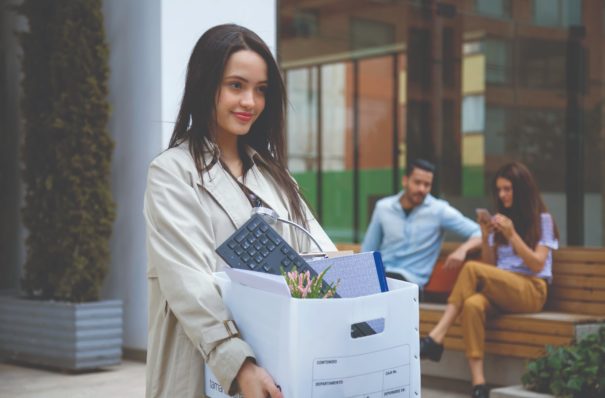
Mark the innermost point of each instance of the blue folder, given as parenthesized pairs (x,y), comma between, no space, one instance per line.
(359,274)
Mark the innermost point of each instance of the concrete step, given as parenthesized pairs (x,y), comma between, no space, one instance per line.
(499,371)
(516,392)
(438,387)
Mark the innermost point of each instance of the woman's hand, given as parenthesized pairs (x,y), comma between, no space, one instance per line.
(255,382)
(504,225)
(486,226)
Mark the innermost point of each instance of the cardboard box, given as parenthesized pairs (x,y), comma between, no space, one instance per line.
(306,344)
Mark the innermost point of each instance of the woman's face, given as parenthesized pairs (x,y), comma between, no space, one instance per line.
(505,192)
(241,96)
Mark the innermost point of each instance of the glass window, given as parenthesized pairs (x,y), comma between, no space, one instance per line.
(498,60)
(557,13)
(367,33)
(337,151)
(300,23)
(473,113)
(542,63)
(376,91)
(494,8)
(302,129)
(496,121)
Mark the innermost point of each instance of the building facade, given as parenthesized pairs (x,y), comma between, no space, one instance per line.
(467,84)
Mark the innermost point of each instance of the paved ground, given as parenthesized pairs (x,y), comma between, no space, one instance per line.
(128,381)
(124,381)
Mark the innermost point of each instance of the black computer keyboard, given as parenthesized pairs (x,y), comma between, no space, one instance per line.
(256,246)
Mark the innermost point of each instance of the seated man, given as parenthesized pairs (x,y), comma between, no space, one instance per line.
(408,228)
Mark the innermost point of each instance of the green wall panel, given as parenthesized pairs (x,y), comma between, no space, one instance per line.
(473,181)
(307,181)
(373,184)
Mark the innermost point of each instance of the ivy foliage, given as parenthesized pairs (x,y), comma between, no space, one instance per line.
(66,153)
(576,371)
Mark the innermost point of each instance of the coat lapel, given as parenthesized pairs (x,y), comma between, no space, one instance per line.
(227,193)
(264,188)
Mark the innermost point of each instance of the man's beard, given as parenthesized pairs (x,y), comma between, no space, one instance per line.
(417,198)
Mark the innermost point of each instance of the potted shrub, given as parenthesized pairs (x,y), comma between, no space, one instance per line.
(69,210)
(576,371)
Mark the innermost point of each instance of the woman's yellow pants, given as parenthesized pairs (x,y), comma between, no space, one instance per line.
(483,290)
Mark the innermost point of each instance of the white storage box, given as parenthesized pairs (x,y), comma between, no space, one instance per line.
(306,344)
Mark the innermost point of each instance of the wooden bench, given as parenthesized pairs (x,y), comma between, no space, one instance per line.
(575,307)
(576,303)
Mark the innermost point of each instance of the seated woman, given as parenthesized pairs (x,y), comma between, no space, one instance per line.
(519,241)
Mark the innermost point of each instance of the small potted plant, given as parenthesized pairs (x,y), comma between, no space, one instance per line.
(302,285)
(69,210)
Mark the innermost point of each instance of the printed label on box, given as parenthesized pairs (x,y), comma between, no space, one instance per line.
(213,387)
(358,376)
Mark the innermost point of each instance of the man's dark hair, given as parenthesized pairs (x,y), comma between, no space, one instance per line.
(420,164)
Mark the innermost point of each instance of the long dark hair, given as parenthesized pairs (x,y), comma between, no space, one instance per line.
(527,204)
(196,118)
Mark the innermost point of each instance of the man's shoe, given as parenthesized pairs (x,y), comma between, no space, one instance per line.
(480,391)
(429,349)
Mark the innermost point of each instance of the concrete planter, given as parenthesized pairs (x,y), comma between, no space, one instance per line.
(61,335)
(516,392)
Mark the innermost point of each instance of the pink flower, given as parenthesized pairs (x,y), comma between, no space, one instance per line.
(302,285)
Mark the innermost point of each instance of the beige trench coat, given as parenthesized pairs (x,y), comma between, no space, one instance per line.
(186,221)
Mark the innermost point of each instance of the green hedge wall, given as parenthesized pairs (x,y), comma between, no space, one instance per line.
(69,210)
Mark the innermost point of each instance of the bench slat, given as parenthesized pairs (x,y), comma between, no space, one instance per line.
(579,255)
(516,350)
(593,282)
(515,323)
(561,270)
(571,294)
(505,336)
(597,309)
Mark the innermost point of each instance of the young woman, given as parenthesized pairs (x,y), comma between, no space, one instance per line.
(519,241)
(226,155)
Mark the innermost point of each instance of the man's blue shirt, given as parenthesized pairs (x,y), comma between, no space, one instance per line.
(410,244)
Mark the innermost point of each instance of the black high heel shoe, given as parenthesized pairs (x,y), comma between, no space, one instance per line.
(480,391)
(429,349)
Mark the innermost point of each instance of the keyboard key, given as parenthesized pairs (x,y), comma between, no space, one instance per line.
(245,257)
(232,244)
(251,239)
(264,227)
(285,250)
(274,237)
(252,251)
(266,267)
(251,265)
(240,237)
(258,246)
(264,252)
(270,247)
(246,245)
(264,240)
(238,250)
(253,224)
(258,258)
(291,256)
(286,263)
(258,233)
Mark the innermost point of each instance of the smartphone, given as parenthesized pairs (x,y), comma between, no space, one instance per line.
(483,215)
